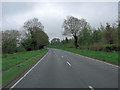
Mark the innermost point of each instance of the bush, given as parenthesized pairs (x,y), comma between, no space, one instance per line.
(20,49)
(111,47)
(94,47)
(97,47)
(4,55)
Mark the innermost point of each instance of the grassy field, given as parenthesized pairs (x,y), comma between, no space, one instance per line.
(16,70)
(111,57)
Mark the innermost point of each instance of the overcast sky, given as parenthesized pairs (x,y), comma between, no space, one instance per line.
(52,15)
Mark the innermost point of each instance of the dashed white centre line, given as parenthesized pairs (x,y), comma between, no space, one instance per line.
(68,63)
(92,59)
(91,87)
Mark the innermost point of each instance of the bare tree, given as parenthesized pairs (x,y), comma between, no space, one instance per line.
(73,26)
(30,26)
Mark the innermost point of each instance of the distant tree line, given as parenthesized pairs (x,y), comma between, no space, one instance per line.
(105,38)
(32,38)
(55,41)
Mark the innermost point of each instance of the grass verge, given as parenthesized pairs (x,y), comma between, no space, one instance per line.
(11,60)
(12,73)
(111,57)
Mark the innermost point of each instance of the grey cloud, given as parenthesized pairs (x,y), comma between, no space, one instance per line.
(52,14)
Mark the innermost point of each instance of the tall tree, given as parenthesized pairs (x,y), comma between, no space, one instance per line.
(31,25)
(96,36)
(84,38)
(35,36)
(10,39)
(73,26)
(108,34)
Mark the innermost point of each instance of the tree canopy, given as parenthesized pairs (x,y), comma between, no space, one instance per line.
(10,39)
(73,26)
(36,38)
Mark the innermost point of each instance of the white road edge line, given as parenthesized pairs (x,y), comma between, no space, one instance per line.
(102,61)
(91,87)
(28,72)
(94,59)
(68,63)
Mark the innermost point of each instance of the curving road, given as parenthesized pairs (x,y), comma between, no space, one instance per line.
(62,69)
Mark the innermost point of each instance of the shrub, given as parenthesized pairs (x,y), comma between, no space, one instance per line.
(20,49)
(4,55)
(111,47)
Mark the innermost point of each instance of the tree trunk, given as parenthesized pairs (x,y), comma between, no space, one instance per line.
(75,37)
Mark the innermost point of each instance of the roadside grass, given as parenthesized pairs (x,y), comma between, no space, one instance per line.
(11,60)
(111,57)
(17,70)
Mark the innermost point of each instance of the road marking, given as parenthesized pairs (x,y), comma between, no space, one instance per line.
(98,60)
(91,87)
(68,63)
(28,72)
(62,56)
(93,59)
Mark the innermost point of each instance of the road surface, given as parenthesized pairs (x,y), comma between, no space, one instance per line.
(62,69)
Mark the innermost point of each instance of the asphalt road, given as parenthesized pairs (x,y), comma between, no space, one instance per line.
(62,69)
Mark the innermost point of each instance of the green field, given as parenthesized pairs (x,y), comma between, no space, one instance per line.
(23,59)
(111,57)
